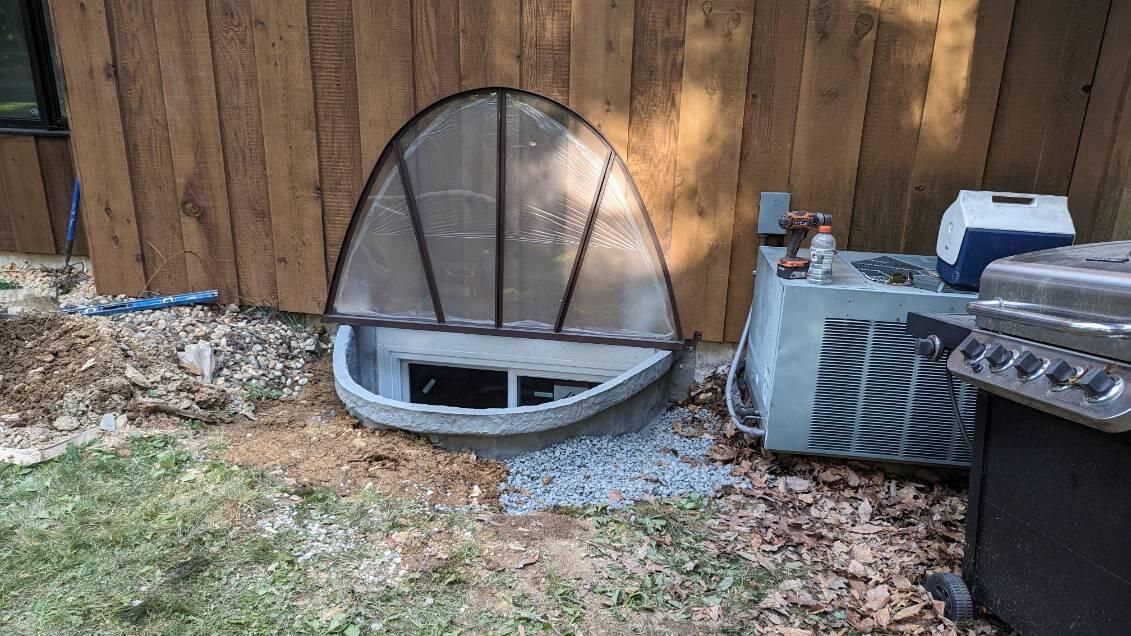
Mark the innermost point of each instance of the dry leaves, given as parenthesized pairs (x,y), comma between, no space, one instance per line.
(856,540)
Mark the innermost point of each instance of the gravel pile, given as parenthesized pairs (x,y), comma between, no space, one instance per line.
(254,347)
(653,463)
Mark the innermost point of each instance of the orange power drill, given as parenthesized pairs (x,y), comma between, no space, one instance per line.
(797,226)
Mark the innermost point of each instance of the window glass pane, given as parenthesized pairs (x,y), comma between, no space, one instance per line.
(621,290)
(457,386)
(382,275)
(452,162)
(553,164)
(58,70)
(17,87)
(533,391)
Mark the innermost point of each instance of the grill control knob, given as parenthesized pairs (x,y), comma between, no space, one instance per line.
(971,349)
(998,356)
(1060,373)
(1097,383)
(1028,365)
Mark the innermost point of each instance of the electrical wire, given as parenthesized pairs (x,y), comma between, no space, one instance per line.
(958,413)
(740,422)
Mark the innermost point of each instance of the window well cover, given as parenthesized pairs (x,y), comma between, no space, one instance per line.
(500,211)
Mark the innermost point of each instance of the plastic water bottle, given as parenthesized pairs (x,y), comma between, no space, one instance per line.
(821,253)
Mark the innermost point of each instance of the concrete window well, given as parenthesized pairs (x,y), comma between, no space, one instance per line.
(500,287)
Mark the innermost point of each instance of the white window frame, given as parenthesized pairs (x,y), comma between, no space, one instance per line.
(514,366)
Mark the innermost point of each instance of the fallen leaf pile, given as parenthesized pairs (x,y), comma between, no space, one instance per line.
(850,542)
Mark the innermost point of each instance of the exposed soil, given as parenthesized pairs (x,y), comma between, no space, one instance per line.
(42,358)
(314,441)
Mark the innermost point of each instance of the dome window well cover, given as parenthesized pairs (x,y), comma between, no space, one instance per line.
(499,211)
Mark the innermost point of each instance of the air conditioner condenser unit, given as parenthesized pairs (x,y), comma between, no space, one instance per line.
(833,372)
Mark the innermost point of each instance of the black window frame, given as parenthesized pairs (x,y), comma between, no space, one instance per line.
(52,119)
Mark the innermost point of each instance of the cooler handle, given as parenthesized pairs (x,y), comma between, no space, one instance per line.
(1030,314)
(1013,199)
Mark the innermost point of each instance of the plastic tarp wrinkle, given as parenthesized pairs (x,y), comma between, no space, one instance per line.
(553,166)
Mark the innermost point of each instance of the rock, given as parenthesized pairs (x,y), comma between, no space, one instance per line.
(11,419)
(197,359)
(121,422)
(137,377)
(109,422)
(86,365)
(66,423)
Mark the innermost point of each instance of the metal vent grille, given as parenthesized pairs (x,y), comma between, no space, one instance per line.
(877,398)
(881,268)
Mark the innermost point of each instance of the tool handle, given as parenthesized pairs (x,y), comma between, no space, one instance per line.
(1030,314)
(72,222)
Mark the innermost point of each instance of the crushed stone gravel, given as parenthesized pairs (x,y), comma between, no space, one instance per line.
(655,462)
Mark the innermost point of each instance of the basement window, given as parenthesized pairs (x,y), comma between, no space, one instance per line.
(498,211)
(479,387)
(533,391)
(458,386)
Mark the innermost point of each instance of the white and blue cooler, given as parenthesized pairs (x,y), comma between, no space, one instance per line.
(981,227)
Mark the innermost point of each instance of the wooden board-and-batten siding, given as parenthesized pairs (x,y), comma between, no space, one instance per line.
(238,132)
(36,182)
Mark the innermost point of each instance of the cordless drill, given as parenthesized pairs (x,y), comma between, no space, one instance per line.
(796,226)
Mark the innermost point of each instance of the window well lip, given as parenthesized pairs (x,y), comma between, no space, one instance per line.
(489,422)
(394,152)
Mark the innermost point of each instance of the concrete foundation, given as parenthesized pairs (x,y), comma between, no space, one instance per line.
(624,403)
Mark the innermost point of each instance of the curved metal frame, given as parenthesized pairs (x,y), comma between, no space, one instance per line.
(393,147)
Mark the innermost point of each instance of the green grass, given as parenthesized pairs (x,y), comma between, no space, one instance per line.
(258,393)
(157,543)
(7,284)
(153,541)
(677,572)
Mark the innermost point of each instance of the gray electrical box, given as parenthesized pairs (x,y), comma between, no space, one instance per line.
(771,205)
(834,373)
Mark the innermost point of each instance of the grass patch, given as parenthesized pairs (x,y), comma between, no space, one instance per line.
(261,393)
(159,543)
(7,284)
(557,609)
(675,569)
(153,541)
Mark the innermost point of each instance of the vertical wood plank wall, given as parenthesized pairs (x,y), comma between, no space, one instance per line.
(36,180)
(238,132)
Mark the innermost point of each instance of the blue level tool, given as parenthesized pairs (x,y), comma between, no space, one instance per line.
(157,302)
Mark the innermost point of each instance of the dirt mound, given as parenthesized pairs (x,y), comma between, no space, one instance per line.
(314,441)
(59,374)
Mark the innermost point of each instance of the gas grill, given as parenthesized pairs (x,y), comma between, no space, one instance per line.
(1049,345)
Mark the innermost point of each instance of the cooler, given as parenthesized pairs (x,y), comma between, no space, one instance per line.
(981,227)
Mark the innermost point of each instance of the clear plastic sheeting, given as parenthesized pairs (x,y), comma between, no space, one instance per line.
(633,301)
(382,275)
(450,157)
(554,164)
(441,176)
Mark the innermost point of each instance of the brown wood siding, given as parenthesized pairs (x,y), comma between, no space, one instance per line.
(36,182)
(876,110)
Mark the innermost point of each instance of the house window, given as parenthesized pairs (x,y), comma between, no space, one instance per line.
(31,90)
(489,387)
(457,386)
(533,391)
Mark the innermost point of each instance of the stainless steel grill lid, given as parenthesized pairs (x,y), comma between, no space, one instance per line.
(1077,297)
